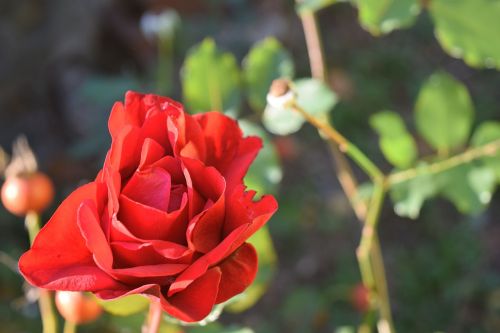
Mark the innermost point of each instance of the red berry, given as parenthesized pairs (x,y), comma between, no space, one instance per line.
(25,193)
(77,308)
(360,298)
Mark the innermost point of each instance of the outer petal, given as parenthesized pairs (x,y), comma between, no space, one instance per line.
(238,272)
(137,108)
(195,302)
(59,258)
(242,209)
(227,150)
(202,264)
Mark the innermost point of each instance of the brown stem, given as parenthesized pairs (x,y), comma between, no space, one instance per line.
(154,318)
(344,171)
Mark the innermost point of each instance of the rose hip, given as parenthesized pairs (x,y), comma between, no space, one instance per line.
(24,193)
(77,308)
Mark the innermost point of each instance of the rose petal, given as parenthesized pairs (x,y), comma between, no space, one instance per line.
(238,272)
(187,137)
(149,223)
(59,258)
(173,167)
(96,241)
(196,301)
(205,232)
(147,274)
(128,254)
(125,151)
(227,150)
(201,265)
(150,187)
(151,152)
(241,209)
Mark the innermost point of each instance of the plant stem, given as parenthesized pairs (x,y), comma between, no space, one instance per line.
(314,45)
(489,149)
(345,146)
(345,174)
(69,327)
(367,236)
(49,319)
(154,318)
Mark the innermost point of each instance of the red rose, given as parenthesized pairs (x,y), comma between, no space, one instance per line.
(168,215)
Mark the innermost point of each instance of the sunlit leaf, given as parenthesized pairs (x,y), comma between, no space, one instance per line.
(384,16)
(396,143)
(281,121)
(408,197)
(456,186)
(314,96)
(265,173)
(211,79)
(125,306)
(482,181)
(266,61)
(263,243)
(486,133)
(444,112)
(468,29)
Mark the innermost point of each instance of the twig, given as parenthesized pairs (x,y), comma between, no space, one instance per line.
(154,318)
(49,319)
(489,149)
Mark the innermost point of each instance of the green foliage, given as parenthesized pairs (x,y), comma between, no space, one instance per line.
(486,133)
(384,16)
(211,79)
(312,95)
(263,243)
(266,61)
(469,187)
(125,306)
(265,173)
(281,121)
(396,143)
(444,112)
(468,29)
(408,197)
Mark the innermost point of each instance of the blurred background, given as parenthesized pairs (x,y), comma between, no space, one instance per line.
(64,63)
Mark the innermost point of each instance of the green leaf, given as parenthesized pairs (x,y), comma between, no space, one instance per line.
(408,197)
(396,143)
(313,5)
(265,173)
(263,243)
(483,181)
(211,79)
(266,61)
(384,16)
(486,133)
(314,96)
(125,306)
(468,29)
(281,121)
(456,186)
(444,112)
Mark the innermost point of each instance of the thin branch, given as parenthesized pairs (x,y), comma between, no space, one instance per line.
(49,319)
(344,145)
(314,45)
(490,149)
